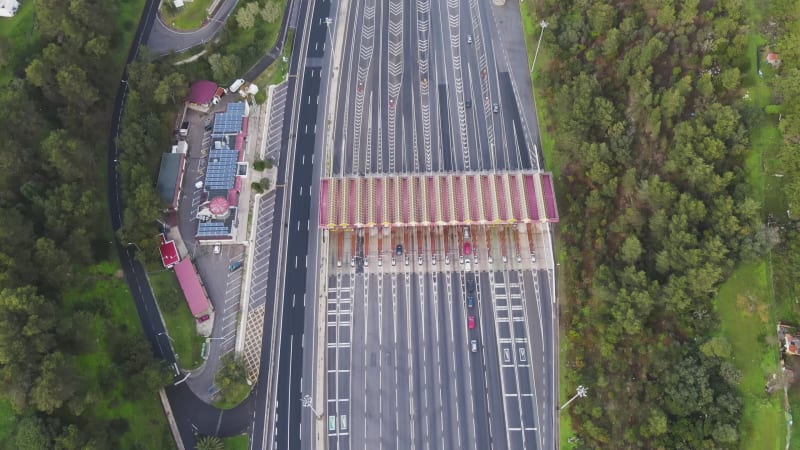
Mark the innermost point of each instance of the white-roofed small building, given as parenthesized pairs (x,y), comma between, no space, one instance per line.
(8,8)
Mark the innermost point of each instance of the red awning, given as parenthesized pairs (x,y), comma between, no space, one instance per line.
(192,288)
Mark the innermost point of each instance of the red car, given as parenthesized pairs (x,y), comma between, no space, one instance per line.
(471,322)
(203,318)
(467,248)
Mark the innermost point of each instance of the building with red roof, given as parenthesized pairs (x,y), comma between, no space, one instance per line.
(192,288)
(169,253)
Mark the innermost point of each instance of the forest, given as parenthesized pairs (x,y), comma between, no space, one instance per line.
(75,371)
(651,130)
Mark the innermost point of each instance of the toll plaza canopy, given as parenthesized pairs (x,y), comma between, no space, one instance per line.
(437,199)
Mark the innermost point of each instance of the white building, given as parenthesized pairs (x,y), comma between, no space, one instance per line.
(8,8)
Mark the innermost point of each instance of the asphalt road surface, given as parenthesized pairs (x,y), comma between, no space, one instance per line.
(416,96)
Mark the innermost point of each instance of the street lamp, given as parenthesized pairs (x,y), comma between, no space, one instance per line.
(543,25)
(167,335)
(328,23)
(306,402)
(581,392)
(134,244)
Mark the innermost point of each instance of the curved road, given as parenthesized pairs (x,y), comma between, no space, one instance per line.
(192,415)
(162,39)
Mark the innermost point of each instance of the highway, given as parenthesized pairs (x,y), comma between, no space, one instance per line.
(422,87)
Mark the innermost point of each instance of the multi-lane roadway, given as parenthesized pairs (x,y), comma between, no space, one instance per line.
(420,87)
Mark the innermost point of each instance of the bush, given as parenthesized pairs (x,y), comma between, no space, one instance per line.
(257,187)
(265,184)
(259,165)
(261,97)
(269,163)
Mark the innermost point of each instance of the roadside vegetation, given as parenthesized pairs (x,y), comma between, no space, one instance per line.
(241,442)
(180,323)
(646,99)
(231,380)
(249,34)
(188,17)
(75,369)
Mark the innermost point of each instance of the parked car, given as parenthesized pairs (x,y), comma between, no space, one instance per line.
(217,248)
(234,265)
(203,318)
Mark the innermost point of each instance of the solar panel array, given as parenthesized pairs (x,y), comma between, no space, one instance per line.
(213,229)
(230,121)
(221,170)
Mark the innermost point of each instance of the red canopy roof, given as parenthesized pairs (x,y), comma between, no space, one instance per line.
(202,92)
(192,289)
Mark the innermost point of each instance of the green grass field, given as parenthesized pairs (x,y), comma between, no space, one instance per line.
(7,422)
(178,319)
(241,442)
(747,322)
(188,17)
(22,39)
(141,420)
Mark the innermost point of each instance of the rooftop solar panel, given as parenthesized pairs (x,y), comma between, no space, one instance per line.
(208,229)
(221,169)
(230,121)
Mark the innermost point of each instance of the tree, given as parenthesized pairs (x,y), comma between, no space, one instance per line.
(71,158)
(74,86)
(171,87)
(223,67)
(27,334)
(631,250)
(271,11)
(32,434)
(210,443)
(246,15)
(56,384)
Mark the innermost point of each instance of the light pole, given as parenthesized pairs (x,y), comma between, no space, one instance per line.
(134,244)
(328,23)
(581,392)
(167,335)
(305,401)
(543,25)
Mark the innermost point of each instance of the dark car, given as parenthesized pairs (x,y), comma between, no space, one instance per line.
(470,282)
(234,266)
(203,318)
(468,103)
(470,301)
(398,250)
